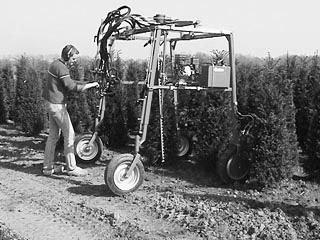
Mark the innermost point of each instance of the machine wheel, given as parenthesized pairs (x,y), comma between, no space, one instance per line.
(85,153)
(231,167)
(183,146)
(114,175)
(238,168)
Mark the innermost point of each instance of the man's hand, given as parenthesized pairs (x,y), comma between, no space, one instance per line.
(94,84)
(90,85)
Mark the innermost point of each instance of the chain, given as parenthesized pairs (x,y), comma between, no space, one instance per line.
(161,125)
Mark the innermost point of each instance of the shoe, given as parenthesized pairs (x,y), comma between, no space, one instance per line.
(51,171)
(77,171)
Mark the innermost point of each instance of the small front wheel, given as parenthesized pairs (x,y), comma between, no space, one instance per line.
(85,153)
(115,174)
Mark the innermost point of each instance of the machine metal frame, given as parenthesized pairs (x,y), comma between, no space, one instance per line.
(159,38)
(124,174)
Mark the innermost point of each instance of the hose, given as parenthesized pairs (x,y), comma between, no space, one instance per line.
(120,19)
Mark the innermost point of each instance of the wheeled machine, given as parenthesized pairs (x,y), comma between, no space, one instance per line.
(166,71)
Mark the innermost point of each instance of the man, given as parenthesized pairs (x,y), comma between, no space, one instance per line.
(54,93)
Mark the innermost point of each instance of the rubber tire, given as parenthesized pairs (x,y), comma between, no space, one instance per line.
(238,169)
(119,165)
(89,157)
(186,149)
(223,166)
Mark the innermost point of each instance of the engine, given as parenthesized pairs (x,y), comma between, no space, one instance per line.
(188,71)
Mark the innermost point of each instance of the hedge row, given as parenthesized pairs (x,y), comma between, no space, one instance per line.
(282,93)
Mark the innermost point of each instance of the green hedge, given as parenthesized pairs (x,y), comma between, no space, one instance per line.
(269,95)
(7,90)
(282,93)
(29,109)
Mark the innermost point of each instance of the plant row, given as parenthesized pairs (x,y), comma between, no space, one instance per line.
(282,94)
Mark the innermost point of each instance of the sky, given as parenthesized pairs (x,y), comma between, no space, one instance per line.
(43,27)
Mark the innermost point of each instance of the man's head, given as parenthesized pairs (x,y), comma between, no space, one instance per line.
(69,54)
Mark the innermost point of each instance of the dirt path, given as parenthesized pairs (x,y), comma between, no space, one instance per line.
(63,207)
(180,204)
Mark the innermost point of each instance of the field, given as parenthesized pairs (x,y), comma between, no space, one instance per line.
(184,203)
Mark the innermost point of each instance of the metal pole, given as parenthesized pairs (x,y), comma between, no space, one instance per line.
(233,81)
(150,83)
(145,113)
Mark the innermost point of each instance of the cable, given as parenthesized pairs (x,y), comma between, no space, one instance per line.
(121,19)
(113,23)
(249,125)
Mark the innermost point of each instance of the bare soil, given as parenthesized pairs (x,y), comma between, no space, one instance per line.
(176,203)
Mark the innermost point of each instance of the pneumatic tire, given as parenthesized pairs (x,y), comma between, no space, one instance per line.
(231,167)
(183,146)
(83,152)
(116,170)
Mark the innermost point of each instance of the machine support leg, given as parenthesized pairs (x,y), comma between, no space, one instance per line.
(93,138)
(175,103)
(133,164)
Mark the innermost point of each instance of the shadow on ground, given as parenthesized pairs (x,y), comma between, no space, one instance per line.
(100,190)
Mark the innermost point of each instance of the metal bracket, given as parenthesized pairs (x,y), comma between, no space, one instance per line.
(133,164)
